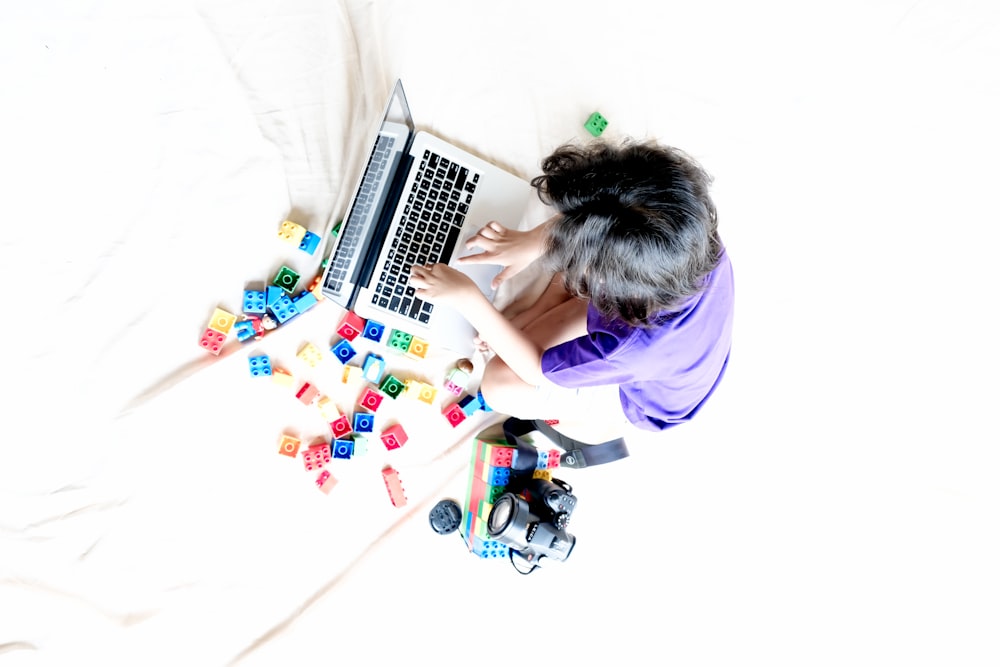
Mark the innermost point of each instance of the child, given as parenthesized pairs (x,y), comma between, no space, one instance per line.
(635,325)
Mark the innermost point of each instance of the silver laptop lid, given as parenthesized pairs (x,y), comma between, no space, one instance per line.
(352,260)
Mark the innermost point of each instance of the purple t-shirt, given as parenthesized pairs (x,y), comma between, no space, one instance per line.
(666,372)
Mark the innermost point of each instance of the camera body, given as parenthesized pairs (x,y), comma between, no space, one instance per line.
(531,518)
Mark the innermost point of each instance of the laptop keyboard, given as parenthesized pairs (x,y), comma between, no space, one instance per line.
(354,230)
(426,233)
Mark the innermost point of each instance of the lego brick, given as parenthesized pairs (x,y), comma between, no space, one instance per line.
(316,287)
(395,488)
(399,340)
(260,365)
(341,426)
(360,445)
(316,456)
(427,394)
(374,368)
(307,393)
(304,301)
(309,243)
(542,474)
(343,351)
(370,399)
(328,409)
(394,437)
(212,341)
(490,549)
(392,386)
(286,279)
(469,405)
(351,375)
(453,413)
(272,294)
(325,481)
(310,354)
(283,309)
(350,326)
(498,476)
(542,462)
(291,232)
(289,446)
(254,301)
(364,422)
(596,124)
(222,321)
(374,331)
(342,449)
(282,377)
(417,348)
(554,458)
(501,457)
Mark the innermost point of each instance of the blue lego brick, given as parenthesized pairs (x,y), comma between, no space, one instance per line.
(542,462)
(272,294)
(482,402)
(309,243)
(498,476)
(283,309)
(254,301)
(305,301)
(260,365)
(469,405)
(364,422)
(343,351)
(374,368)
(374,331)
(342,449)
(489,548)
(244,330)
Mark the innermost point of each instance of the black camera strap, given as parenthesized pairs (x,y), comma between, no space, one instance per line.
(577,454)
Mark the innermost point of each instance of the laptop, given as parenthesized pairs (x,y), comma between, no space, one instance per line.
(416,202)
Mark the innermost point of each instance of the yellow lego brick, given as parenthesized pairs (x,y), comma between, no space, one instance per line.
(427,394)
(291,232)
(310,354)
(327,408)
(412,389)
(222,321)
(542,474)
(352,374)
(418,348)
(282,377)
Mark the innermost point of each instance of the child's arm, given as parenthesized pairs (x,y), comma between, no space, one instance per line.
(442,284)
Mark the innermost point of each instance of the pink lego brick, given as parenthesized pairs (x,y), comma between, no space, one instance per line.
(371,399)
(394,437)
(351,326)
(341,426)
(326,481)
(394,486)
(213,340)
(453,413)
(307,394)
(316,456)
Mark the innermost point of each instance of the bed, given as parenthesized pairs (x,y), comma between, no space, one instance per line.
(834,503)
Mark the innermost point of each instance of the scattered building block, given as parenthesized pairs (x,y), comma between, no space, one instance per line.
(289,446)
(392,386)
(374,331)
(360,445)
(222,321)
(310,354)
(245,330)
(394,437)
(399,340)
(307,393)
(325,481)
(454,414)
(370,399)
(291,232)
(350,326)
(260,365)
(364,422)
(254,301)
(283,309)
(282,377)
(342,449)
(316,456)
(417,348)
(341,426)
(286,279)
(343,351)
(328,408)
(351,374)
(373,368)
(309,243)
(596,124)
(394,486)
(304,301)
(212,341)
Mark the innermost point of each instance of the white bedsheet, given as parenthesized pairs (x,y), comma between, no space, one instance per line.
(835,503)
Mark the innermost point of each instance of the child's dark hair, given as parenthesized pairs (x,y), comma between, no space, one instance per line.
(638,232)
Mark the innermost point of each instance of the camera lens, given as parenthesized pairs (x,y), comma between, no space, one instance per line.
(501,514)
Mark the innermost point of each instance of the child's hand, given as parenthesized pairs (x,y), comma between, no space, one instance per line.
(510,248)
(439,283)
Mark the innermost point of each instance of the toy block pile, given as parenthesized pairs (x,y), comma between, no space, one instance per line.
(489,473)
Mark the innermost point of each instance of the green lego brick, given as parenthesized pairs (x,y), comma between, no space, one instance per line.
(286,279)
(596,124)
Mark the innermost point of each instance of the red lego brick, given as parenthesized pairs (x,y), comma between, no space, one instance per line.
(371,399)
(351,326)
(307,393)
(213,340)
(501,457)
(316,456)
(394,437)
(454,414)
(341,426)
(554,457)
(393,486)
